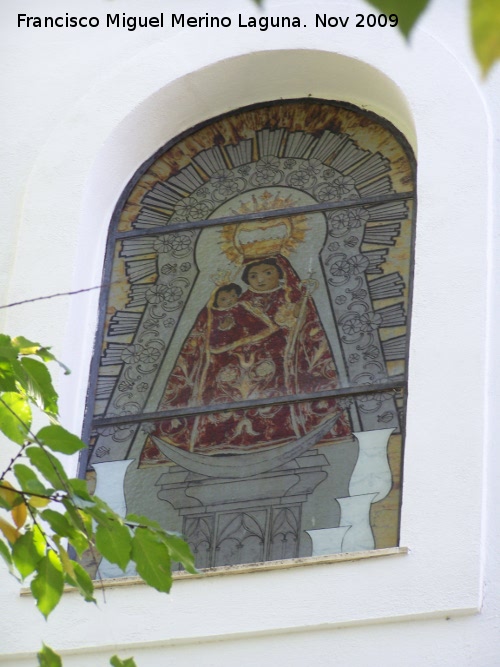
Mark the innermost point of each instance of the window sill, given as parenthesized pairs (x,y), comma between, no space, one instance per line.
(250,567)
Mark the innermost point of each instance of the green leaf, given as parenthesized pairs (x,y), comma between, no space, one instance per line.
(104,506)
(4,504)
(79,518)
(74,574)
(25,346)
(115,661)
(9,497)
(178,548)
(152,560)
(49,466)
(28,480)
(143,521)
(5,553)
(79,541)
(7,375)
(407,11)
(80,488)
(15,416)
(58,439)
(20,376)
(100,511)
(83,582)
(114,542)
(47,586)
(40,385)
(11,532)
(179,551)
(45,355)
(19,514)
(485,31)
(48,658)
(7,348)
(64,526)
(28,551)
(58,522)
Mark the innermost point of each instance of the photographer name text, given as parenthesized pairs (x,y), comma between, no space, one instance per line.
(262,23)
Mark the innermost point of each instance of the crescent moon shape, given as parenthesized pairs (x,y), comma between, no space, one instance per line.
(244,465)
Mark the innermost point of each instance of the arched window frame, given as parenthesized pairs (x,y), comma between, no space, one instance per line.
(97,388)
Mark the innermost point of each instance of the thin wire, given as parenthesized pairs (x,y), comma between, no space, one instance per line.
(51,296)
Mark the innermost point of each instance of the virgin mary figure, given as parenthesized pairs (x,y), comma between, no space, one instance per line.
(264,343)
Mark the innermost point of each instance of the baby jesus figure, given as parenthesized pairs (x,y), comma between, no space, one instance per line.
(233,322)
(224,299)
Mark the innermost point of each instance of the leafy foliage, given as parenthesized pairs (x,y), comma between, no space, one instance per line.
(116,662)
(45,515)
(47,658)
(484,24)
(485,31)
(408,12)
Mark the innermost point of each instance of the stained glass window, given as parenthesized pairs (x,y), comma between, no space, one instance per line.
(249,383)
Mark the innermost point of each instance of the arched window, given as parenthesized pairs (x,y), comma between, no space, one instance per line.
(249,380)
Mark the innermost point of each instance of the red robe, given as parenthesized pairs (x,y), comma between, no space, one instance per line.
(269,344)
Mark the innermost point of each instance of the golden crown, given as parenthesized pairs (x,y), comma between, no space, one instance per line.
(263,238)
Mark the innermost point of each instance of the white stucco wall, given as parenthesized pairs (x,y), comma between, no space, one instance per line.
(84,109)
